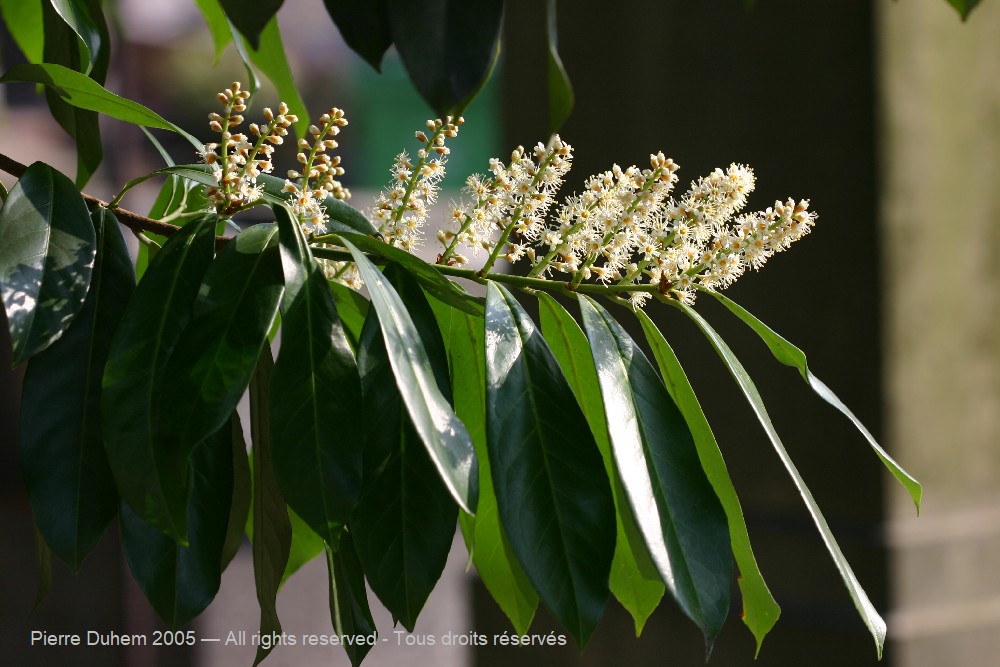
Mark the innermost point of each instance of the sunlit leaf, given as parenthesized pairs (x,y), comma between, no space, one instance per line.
(77,16)
(23,19)
(269,57)
(218,24)
(560,88)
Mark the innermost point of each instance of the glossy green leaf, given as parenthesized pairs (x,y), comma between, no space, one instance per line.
(218,24)
(553,495)
(239,506)
(181,581)
(560,88)
(153,322)
(251,16)
(47,251)
(306,546)
(269,57)
(23,19)
(352,308)
(760,611)
(674,505)
(349,610)
(404,523)
(790,355)
(865,608)
(343,216)
(364,27)
(491,553)
(634,581)
(65,469)
(77,16)
(447,46)
(315,395)
(964,7)
(271,529)
(443,434)
(211,365)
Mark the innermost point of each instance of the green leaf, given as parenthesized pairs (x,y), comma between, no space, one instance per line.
(964,7)
(676,509)
(404,523)
(218,25)
(315,395)
(790,355)
(85,93)
(23,19)
(65,469)
(272,531)
(865,608)
(269,57)
(488,546)
(349,610)
(47,250)
(153,321)
(343,216)
(209,369)
(760,611)
(181,581)
(553,495)
(560,88)
(251,16)
(634,581)
(447,46)
(364,27)
(443,434)
(44,559)
(352,308)
(239,507)
(306,546)
(76,15)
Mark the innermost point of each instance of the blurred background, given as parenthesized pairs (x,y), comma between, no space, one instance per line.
(885,115)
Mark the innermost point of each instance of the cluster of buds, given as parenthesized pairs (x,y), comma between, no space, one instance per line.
(318,177)
(402,208)
(237,159)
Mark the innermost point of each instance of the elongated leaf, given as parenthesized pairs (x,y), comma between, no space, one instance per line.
(443,434)
(349,610)
(634,580)
(352,308)
(269,57)
(488,546)
(560,88)
(77,16)
(553,494)
(251,17)
(345,218)
(272,531)
(404,522)
(153,321)
(218,24)
(47,249)
(181,581)
(790,355)
(675,507)
(65,469)
(447,46)
(211,365)
(43,556)
(760,611)
(865,608)
(239,506)
(364,27)
(315,396)
(23,19)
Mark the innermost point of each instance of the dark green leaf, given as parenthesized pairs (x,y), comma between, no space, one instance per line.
(963,7)
(865,608)
(239,507)
(47,253)
(364,27)
(491,552)
(77,16)
(760,611)
(676,509)
(404,522)
(553,495)
(181,581)
(315,395)
(250,16)
(560,88)
(447,46)
(269,57)
(634,579)
(65,469)
(23,19)
(156,315)
(44,558)
(352,308)
(218,24)
(792,356)
(349,602)
(443,434)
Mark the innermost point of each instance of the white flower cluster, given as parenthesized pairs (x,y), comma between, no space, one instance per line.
(317,181)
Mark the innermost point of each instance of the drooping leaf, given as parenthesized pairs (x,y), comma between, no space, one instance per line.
(790,355)
(251,17)
(964,7)
(23,19)
(44,558)
(269,56)
(77,16)
(315,395)
(349,610)
(404,522)
(560,88)
(676,509)
(443,434)
(553,495)
(760,611)
(352,308)
(47,249)
(154,319)
(180,581)
(239,506)
(218,24)
(364,27)
(447,46)
(865,608)
(634,581)
(65,469)
(488,546)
